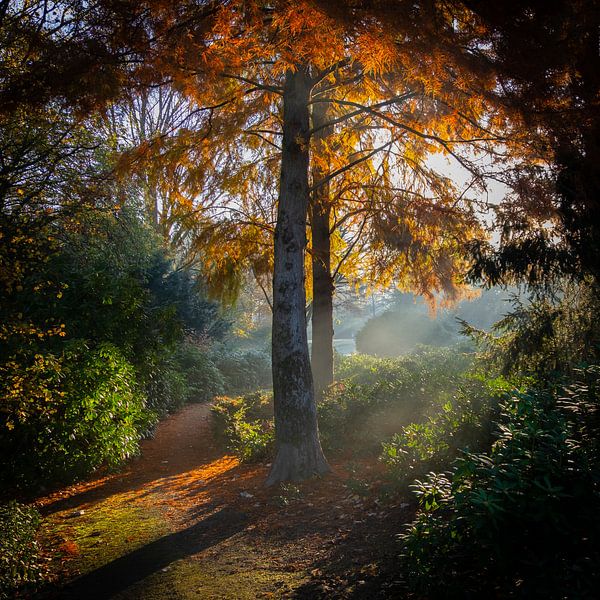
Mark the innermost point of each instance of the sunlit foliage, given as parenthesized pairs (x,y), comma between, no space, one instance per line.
(371,400)
(21,567)
(393,218)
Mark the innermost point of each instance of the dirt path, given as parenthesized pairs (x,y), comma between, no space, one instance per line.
(187,521)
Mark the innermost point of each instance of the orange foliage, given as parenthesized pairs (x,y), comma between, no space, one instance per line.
(392,102)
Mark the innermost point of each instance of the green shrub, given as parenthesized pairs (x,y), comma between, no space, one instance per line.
(408,322)
(87,412)
(253,441)
(203,378)
(463,423)
(245,424)
(20,566)
(375,397)
(398,332)
(425,372)
(243,370)
(360,416)
(165,387)
(521,520)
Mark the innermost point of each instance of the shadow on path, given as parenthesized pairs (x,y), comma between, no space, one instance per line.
(123,572)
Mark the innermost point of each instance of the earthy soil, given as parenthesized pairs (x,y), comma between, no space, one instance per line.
(186,520)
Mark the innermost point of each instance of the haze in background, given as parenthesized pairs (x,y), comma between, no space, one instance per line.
(395,323)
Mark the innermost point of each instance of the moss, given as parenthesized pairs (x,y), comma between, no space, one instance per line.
(198,582)
(233,570)
(103,532)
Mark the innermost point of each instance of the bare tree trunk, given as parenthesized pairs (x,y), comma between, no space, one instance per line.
(322,281)
(298,450)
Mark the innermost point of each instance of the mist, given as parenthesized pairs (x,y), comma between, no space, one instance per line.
(393,323)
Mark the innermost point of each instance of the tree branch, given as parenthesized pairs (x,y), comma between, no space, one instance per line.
(350,165)
(256,84)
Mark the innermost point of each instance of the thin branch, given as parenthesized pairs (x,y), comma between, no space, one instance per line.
(351,165)
(262,137)
(344,62)
(350,115)
(260,285)
(441,141)
(256,84)
(350,249)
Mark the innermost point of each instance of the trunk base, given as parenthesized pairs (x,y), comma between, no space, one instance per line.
(296,463)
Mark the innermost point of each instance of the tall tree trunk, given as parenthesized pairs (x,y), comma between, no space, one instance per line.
(298,450)
(322,281)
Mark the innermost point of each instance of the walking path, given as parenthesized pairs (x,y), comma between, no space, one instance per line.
(185,520)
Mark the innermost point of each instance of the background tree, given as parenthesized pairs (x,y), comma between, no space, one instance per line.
(142,127)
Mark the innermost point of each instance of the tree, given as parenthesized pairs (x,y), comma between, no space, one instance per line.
(322,275)
(545,56)
(241,33)
(238,63)
(141,126)
(388,218)
(299,453)
(69,53)
(544,60)
(345,89)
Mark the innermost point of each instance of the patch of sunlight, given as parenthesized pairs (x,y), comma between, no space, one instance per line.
(104,531)
(189,482)
(205,472)
(77,489)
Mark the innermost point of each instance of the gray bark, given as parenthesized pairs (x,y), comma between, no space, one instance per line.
(322,281)
(298,450)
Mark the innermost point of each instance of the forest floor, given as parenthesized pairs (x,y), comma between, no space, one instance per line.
(186,521)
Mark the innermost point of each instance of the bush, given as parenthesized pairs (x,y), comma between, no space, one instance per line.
(409,323)
(86,411)
(20,565)
(165,387)
(243,371)
(360,416)
(426,371)
(103,277)
(203,378)
(245,424)
(463,423)
(375,397)
(521,520)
